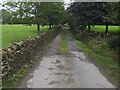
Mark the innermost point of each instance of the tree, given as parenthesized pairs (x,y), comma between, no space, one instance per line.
(28,12)
(114,12)
(54,11)
(87,13)
(5,16)
(37,12)
(111,17)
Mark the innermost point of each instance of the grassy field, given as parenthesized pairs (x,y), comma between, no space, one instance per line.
(14,33)
(112,29)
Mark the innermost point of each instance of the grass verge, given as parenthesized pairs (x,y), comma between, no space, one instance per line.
(63,44)
(13,80)
(106,64)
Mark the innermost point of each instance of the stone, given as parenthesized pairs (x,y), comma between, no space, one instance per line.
(9,53)
(14,47)
(21,53)
(4,55)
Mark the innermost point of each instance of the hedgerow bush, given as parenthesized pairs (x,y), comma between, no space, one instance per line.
(114,42)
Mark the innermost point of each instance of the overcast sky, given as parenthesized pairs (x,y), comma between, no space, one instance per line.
(1,1)
(66,1)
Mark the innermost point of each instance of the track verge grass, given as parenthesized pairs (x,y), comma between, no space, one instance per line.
(106,64)
(63,44)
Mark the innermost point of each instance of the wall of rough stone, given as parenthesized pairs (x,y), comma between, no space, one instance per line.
(18,54)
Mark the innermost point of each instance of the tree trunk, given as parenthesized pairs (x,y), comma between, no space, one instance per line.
(50,26)
(106,30)
(89,27)
(38,28)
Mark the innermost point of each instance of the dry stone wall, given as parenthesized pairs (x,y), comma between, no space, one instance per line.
(23,52)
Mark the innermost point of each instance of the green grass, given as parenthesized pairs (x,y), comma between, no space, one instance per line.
(112,29)
(13,80)
(63,44)
(102,48)
(107,64)
(14,33)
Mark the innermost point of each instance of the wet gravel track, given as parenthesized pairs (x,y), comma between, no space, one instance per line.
(55,70)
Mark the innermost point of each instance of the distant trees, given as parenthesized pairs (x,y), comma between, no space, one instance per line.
(92,13)
(88,13)
(39,13)
(54,13)
(6,16)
